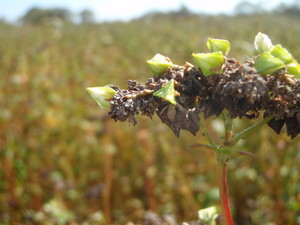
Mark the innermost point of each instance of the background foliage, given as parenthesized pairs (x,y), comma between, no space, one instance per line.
(62,161)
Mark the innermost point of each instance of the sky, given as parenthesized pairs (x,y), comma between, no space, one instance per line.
(109,10)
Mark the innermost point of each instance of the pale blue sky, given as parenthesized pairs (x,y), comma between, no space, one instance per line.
(107,10)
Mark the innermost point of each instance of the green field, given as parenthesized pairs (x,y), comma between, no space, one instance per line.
(62,161)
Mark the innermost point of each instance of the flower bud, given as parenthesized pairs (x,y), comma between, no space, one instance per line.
(216,45)
(262,43)
(293,68)
(159,64)
(282,54)
(208,215)
(209,63)
(265,63)
(102,95)
(167,92)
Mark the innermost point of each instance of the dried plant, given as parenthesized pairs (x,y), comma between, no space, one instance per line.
(266,84)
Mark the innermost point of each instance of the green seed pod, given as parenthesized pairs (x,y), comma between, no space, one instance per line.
(159,64)
(209,63)
(293,68)
(216,45)
(265,63)
(262,43)
(167,92)
(282,54)
(102,95)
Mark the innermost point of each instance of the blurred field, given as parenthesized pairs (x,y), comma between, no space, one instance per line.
(63,162)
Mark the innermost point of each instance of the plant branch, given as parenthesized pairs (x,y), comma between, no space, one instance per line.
(207,135)
(202,145)
(228,128)
(139,93)
(222,158)
(249,130)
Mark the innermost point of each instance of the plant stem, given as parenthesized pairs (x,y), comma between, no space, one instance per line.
(224,195)
(207,135)
(228,128)
(229,141)
(249,130)
(222,158)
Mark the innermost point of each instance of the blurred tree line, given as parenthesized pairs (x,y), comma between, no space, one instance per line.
(37,16)
(249,8)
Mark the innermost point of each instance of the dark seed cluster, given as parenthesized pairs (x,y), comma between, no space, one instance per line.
(238,89)
(128,103)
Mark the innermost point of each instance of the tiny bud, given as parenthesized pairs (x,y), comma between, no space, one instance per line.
(102,95)
(208,215)
(293,68)
(167,92)
(159,64)
(262,43)
(216,45)
(209,63)
(265,63)
(281,53)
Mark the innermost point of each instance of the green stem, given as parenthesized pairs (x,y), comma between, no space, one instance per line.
(222,158)
(228,128)
(202,145)
(229,141)
(249,130)
(207,135)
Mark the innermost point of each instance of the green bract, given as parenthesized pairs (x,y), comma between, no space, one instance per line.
(293,68)
(102,95)
(209,63)
(159,64)
(265,63)
(216,45)
(282,54)
(167,92)
(208,215)
(262,43)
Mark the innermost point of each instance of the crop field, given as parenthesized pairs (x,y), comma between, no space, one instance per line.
(64,161)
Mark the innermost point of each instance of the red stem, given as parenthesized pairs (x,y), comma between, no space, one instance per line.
(224,195)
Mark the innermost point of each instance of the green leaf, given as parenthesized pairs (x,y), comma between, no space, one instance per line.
(265,63)
(282,54)
(262,43)
(167,92)
(159,64)
(102,95)
(216,45)
(293,68)
(209,63)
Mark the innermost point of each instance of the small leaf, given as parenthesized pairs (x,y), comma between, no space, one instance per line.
(262,43)
(281,53)
(159,64)
(209,63)
(102,95)
(293,68)
(216,45)
(167,92)
(265,63)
